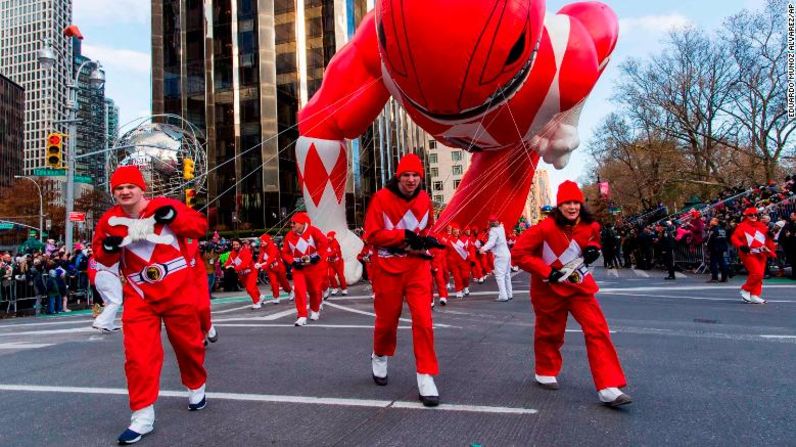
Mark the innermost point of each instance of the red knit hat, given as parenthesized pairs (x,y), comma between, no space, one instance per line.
(410,163)
(569,192)
(301,217)
(751,211)
(331,234)
(265,237)
(127,175)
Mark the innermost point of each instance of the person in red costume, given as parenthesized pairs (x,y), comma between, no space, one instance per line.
(504,80)
(149,239)
(202,291)
(241,259)
(270,261)
(459,261)
(755,247)
(472,248)
(557,253)
(302,249)
(397,224)
(336,265)
(365,257)
(439,268)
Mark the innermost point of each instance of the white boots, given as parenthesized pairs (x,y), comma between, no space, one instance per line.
(466,291)
(314,316)
(142,422)
(302,321)
(751,299)
(427,390)
(613,397)
(547,382)
(292,296)
(378,364)
(197,399)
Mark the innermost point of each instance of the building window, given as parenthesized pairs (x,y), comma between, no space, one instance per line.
(439,199)
(456,184)
(432,158)
(456,170)
(438,186)
(435,172)
(456,155)
(432,144)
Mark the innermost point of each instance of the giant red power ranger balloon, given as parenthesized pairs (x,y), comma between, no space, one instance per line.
(498,78)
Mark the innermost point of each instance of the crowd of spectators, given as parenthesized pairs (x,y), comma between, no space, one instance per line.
(684,239)
(46,279)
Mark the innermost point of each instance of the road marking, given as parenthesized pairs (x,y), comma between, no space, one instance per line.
(76,330)
(581,330)
(21,345)
(690,288)
(641,273)
(780,337)
(613,272)
(273,398)
(226,311)
(362,312)
(680,275)
(692,298)
(331,326)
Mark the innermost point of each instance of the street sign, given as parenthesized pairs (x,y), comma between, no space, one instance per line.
(84,179)
(49,172)
(6,226)
(76,216)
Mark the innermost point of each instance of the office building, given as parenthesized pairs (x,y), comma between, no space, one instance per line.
(12,111)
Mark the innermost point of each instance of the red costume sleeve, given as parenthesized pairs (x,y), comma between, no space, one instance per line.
(321,242)
(375,233)
(737,238)
(230,258)
(188,222)
(524,252)
(102,231)
(287,256)
(245,257)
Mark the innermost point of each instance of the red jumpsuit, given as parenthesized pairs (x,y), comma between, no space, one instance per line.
(271,263)
(243,263)
(158,289)
(310,278)
(202,286)
(755,236)
(400,275)
(439,267)
(365,256)
(475,263)
(336,265)
(459,261)
(539,250)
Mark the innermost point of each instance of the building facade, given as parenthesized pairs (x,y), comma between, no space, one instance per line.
(538,197)
(111,121)
(91,116)
(446,168)
(240,70)
(24,26)
(12,118)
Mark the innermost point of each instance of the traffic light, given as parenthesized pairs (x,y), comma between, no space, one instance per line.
(187,169)
(190,197)
(54,152)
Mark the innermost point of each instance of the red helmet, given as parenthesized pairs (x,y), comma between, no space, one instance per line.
(457,60)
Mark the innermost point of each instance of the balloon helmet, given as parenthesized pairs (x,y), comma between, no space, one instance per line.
(463,66)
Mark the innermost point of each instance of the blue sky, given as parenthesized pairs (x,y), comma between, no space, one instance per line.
(118,34)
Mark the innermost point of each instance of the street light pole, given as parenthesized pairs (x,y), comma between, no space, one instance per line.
(41,206)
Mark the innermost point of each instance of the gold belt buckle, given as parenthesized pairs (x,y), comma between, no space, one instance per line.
(153,273)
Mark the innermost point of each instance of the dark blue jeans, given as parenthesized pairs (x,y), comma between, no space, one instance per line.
(54,304)
(718,262)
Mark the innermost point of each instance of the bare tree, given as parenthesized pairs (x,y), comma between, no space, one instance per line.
(757,47)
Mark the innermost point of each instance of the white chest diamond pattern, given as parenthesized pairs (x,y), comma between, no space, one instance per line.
(755,240)
(408,222)
(144,249)
(302,245)
(571,253)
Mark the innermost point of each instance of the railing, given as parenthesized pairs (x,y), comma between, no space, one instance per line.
(18,296)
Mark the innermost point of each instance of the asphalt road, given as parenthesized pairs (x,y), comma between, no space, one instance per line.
(703,369)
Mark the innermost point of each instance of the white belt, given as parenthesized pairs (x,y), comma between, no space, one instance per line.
(155,273)
(755,251)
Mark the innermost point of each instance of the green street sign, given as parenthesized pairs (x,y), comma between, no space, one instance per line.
(84,179)
(49,172)
(6,226)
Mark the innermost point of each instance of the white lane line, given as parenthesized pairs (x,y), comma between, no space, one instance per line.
(580,330)
(613,272)
(76,330)
(21,345)
(680,275)
(48,323)
(690,288)
(362,312)
(273,398)
(780,337)
(641,273)
(233,309)
(310,325)
(692,298)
